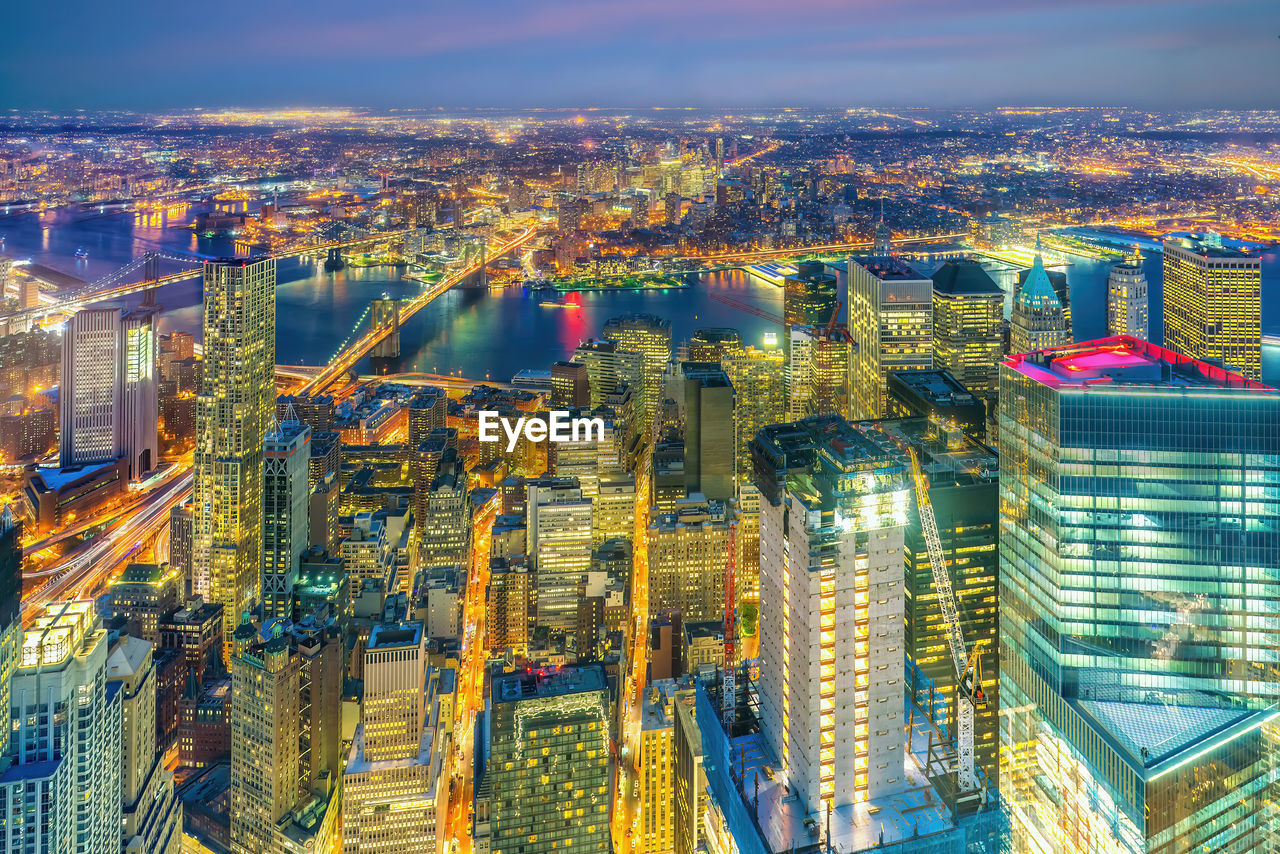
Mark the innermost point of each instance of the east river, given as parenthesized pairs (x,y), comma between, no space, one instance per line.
(474,332)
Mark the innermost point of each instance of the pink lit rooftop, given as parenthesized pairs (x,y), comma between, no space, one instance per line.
(1124,360)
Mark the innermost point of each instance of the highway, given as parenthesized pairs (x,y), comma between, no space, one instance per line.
(80,573)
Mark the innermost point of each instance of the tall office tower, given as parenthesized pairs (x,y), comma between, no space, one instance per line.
(833,512)
(891,318)
(507,605)
(968,326)
(265,724)
(236,401)
(963,477)
(152,814)
(761,374)
(1038,320)
(286,454)
(428,409)
(10,609)
(1213,303)
(614,508)
(719,155)
(320,675)
(818,370)
(657,759)
(570,385)
(1127,298)
(324,469)
(392,779)
(446,524)
(649,336)
(560,803)
(366,553)
(608,367)
(713,343)
(808,295)
(558,543)
(688,550)
(181,543)
(438,450)
(1142,483)
(710,456)
(671,203)
(62,790)
(690,780)
(108,392)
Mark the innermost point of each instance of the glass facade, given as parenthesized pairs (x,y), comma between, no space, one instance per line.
(1140,594)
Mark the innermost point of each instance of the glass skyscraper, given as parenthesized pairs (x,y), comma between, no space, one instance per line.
(1140,599)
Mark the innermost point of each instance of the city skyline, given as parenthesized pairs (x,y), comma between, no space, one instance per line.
(811,53)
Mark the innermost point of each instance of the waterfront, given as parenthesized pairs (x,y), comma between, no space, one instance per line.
(476,332)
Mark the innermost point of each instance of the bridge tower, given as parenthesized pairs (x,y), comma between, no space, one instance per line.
(335,261)
(150,272)
(385,314)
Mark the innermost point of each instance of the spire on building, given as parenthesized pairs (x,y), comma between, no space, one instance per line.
(882,242)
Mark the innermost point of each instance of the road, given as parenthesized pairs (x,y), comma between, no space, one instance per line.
(80,573)
(359,348)
(470,688)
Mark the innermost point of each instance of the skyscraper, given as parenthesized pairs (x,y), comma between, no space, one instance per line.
(710,456)
(687,553)
(108,392)
(10,609)
(1138,493)
(968,320)
(761,374)
(649,336)
(549,761)
(818,370)
(234,412)
(392,781)
(833,511)
(286,454)
(1127,299)
(1038,320)
(713,343)
(608,366)
(62,792)
(1213,303)
(570,385)
(808,295)
(891,319)
(558,543)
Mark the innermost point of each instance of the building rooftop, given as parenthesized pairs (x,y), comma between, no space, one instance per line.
(1125,361)
(402,635)
(965,277)
(888,268)
(546,682)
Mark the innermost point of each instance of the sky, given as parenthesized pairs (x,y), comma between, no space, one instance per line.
(382,54)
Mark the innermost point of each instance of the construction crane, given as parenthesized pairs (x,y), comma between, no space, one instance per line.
(969,694)
(748,307)
(729,685)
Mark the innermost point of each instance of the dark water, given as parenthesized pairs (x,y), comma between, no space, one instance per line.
(479,333)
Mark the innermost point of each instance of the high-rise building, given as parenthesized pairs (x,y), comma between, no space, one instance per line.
(608,367)
(549,761)
(62,790)
(1138,668)
(152,812)
(108,393)
(366,554)
(558,543)
(713,343)
(392,788)
(428,409)
(236,402)
(818,370)
(1213,303)
(761,374)
(963,478)
(1127,299)
(809,295)
(142,594)
(710,455)
(10,609)
(181,543)
(834,508)
(690,781)
(968,325)
(570,385)
(687,553)
(1039,319)
(657,760)
(649,336)
(286,455)
(446,518)
(507,605)
(265,725)
(891,319)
